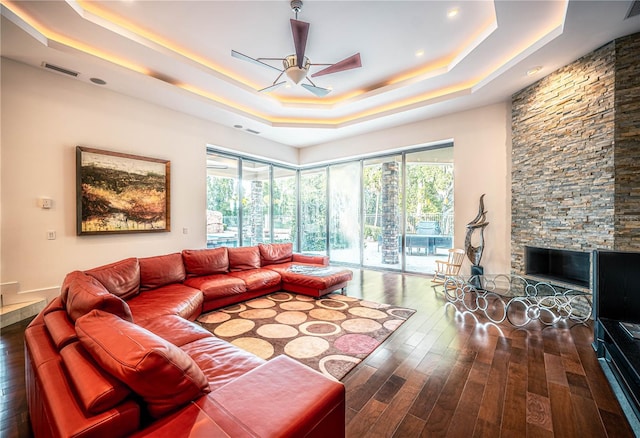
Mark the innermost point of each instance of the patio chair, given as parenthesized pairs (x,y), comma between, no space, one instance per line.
(448,268)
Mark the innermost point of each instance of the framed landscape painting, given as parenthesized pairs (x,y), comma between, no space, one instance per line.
(121,193)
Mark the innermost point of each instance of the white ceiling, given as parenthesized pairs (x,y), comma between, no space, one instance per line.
(178,54)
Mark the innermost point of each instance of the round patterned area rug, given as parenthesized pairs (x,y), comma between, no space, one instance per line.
(332,334)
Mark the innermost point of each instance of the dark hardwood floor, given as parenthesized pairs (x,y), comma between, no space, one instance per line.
(442,373)
(14,417)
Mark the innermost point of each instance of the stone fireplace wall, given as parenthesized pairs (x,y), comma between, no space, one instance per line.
(627,144)
(576,155)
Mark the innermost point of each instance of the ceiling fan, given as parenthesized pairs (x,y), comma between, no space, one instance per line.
(296,66)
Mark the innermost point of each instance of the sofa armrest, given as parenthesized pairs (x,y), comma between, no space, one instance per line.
(313,259)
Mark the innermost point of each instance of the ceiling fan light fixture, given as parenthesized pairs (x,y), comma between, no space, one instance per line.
(296,74)
(296,66)
(293,72)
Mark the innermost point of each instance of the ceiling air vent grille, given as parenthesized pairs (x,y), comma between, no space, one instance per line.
(634,9)
(60,69)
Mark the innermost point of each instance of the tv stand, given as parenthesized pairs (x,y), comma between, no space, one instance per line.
(619,356)
(616,299)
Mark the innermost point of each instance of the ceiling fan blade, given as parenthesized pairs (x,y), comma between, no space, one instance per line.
(300,30)
(272,87)
(252,60)
(318,91)
(352,61)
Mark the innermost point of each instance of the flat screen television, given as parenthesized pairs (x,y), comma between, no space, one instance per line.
(616,285)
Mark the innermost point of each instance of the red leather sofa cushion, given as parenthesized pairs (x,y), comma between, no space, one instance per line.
(172,299)
(66,283)
(200,262)
(243,258)
(60,328)
(175,329)
(311,259)
(256,279)
(85,293)
(216,286)
(97,390)
(161,373)
(275,253)
(120,278)
(221,361)
(159,271)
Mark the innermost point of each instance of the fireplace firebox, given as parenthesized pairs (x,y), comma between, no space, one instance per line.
(559,265)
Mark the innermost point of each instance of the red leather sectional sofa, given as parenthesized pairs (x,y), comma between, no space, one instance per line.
(117,353)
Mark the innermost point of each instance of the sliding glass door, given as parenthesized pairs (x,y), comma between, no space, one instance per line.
(223,194)
(344,212)
(285,206)
(429,208)
(382,187)
(313,211)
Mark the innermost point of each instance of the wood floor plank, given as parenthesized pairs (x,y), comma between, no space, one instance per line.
(538,412)
(442,413)
(514,416)
(409,427)
(578,385)
(588,422)
(397,408)
(359,426)
(491,406)
(563,418)
(615,425)
(467,409)
(389,389)
(536,375)
(555,369)
(427,397)
(600,388)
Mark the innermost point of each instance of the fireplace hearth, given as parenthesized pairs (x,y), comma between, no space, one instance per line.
(558,265)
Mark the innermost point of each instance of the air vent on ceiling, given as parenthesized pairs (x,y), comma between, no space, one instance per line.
(634,9)
(252,131)
(60,69)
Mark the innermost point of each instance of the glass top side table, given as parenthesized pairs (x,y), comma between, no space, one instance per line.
(517,299)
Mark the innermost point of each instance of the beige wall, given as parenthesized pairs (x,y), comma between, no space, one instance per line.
(45,116)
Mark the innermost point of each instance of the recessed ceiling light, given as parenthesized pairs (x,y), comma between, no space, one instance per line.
(98,81)
(534,70)
(419,53)
(453,12)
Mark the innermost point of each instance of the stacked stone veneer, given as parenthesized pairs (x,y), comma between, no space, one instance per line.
(390,208)
(627,144)
(575,155)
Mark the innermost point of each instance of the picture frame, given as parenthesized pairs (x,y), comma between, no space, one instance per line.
(120,193)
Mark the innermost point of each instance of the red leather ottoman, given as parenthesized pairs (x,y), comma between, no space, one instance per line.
(314,281)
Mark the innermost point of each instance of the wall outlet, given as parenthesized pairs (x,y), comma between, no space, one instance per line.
(45,203)
(185,230)
(51,235)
